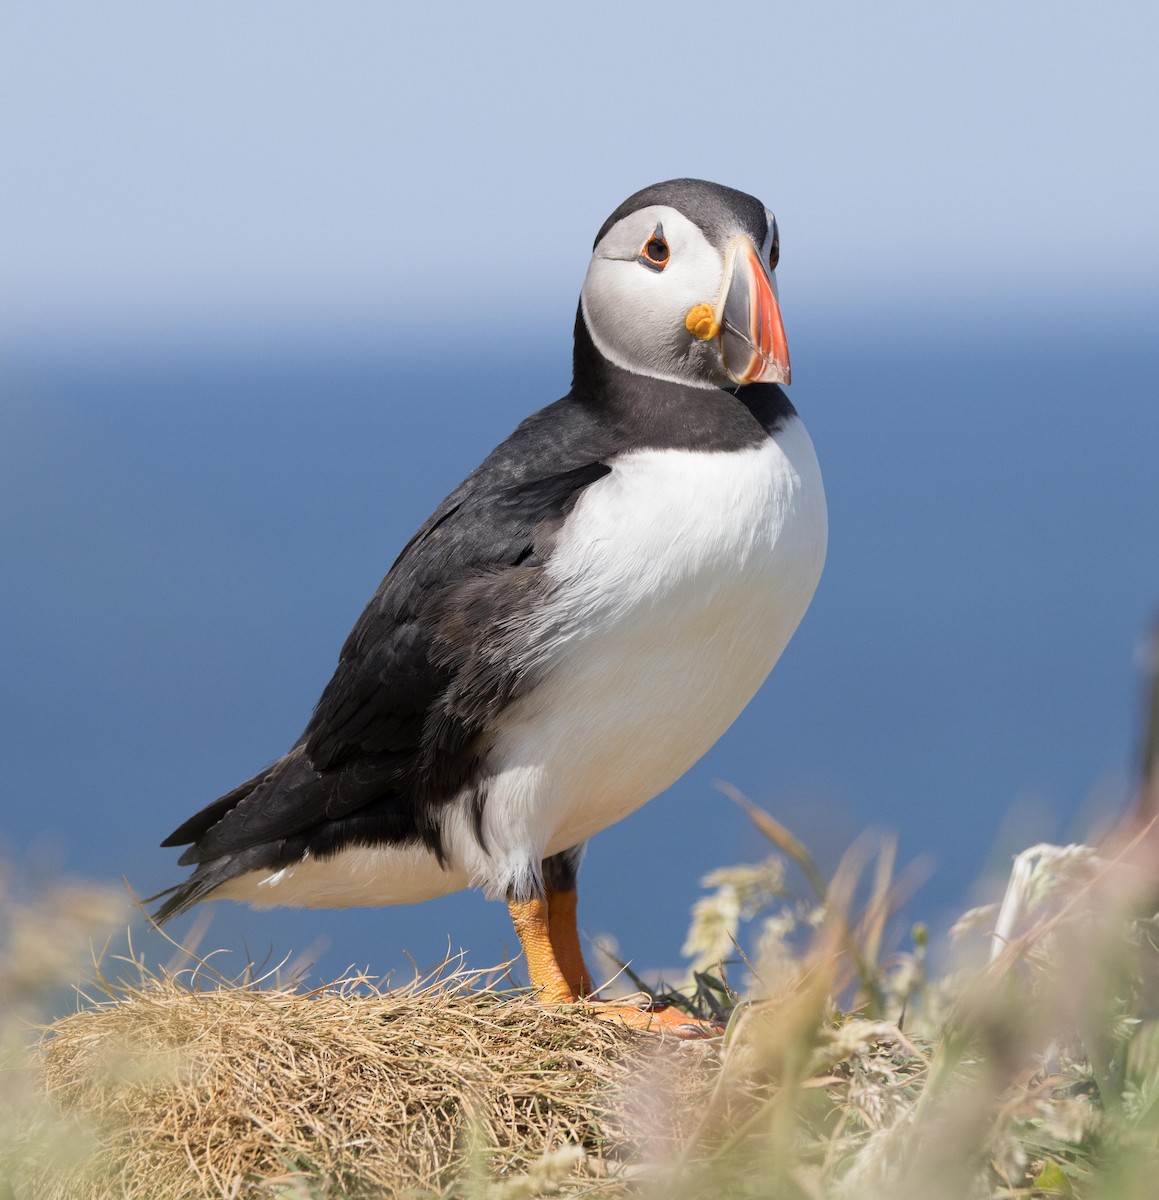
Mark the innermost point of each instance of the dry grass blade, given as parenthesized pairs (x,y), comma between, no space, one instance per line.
(779,836)
(1148,806)
(836,895)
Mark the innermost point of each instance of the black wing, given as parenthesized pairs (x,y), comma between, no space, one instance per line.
(397,729)
(465,568)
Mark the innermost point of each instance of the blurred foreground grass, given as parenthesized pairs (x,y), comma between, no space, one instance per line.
(1030,1070)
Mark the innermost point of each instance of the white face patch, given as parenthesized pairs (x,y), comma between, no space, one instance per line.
(635,313)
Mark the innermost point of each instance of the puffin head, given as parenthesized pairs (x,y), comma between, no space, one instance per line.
(681,287)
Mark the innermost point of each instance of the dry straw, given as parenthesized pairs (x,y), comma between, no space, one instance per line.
(238,1089)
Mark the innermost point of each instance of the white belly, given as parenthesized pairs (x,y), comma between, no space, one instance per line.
(683,576)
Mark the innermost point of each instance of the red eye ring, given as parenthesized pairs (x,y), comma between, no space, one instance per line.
(656,250)
(655,253)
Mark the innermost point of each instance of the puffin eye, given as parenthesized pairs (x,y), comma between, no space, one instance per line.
(775,248)
(655,252)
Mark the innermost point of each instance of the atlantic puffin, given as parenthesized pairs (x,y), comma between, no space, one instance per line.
(576,623)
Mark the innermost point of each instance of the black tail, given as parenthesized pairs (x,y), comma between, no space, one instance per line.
(178,902)
(183,895)
(289,810)
(213,872)
(200,823)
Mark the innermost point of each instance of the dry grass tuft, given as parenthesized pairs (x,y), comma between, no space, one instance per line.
(352,1091)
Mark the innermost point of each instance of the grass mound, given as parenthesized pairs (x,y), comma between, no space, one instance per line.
(355,1092)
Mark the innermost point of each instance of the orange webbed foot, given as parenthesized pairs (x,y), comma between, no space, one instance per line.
(656,1018)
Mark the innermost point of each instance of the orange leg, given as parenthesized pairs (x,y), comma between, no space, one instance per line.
(546,927)
(564,933)
(532,926)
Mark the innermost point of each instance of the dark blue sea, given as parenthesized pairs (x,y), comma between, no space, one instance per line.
(187,533)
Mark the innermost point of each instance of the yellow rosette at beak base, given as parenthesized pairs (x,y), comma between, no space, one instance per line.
(701,322)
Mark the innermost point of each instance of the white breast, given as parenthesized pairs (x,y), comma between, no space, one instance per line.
(681,577)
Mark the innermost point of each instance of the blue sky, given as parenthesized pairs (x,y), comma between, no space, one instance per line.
(187,166)
(274,277)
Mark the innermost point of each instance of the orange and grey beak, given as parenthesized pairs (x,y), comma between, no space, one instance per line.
(752,338)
